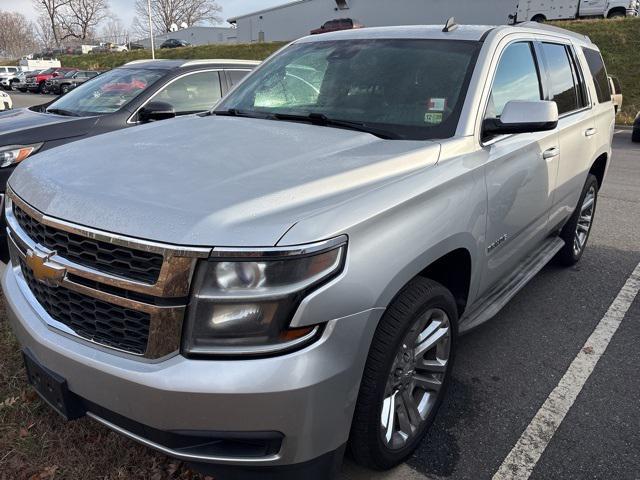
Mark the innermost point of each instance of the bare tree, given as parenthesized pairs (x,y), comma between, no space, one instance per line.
(16,37)
(51,10)
(79,18)
(45,33)
(114,30)
(165,13)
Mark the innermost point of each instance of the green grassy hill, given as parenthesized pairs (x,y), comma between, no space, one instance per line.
(253,51)
(619,41)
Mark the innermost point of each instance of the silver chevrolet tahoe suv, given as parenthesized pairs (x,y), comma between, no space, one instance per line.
(253,289)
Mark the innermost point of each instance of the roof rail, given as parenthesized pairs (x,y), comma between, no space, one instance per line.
(554,29)
(144,60)
(220,60)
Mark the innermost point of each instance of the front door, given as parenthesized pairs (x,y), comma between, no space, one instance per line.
(521,171)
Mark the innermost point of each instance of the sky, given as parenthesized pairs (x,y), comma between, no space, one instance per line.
(124,8)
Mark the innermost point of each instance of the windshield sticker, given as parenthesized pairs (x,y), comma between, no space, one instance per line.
(433,118)
(437,104)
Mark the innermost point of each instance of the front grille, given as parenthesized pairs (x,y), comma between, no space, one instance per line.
(90,318)
(106,257)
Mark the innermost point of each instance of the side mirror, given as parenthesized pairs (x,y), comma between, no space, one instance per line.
(154,111)
(520,116)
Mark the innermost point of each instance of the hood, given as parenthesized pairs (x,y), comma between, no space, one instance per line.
(25,126)
(212,181)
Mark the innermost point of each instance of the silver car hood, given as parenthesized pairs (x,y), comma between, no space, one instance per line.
(212,181)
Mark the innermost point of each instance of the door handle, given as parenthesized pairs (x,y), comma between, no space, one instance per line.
(551,153)
(590,132)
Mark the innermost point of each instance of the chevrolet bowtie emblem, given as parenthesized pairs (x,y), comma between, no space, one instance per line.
(44,269)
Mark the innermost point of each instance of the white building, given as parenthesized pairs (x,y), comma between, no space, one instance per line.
(296,19)
(195,36)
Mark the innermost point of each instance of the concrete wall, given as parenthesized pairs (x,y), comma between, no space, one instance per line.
(297,19)
(196,36)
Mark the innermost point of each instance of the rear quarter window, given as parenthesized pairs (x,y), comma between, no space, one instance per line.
(599,74)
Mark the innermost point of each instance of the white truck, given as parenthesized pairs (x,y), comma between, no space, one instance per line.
(30,64)
(542,10)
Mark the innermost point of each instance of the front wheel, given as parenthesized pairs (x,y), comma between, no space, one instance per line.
(406,375)
(576,231)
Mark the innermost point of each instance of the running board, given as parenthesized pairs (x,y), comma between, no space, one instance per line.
(488,306)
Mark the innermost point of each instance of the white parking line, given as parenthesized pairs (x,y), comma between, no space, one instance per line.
(525,454)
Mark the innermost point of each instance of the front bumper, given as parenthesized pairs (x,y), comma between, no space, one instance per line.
(307,396)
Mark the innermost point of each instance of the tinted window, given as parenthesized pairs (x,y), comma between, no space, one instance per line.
(235,76)
(195,92)
(516,79)
(409,89)
(599,74)
(583,97)
(562,89)
(108,92)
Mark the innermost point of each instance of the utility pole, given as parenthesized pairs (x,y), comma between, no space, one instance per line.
(153,48)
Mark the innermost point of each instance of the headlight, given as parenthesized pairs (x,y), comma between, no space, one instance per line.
(12,154)
(243,301)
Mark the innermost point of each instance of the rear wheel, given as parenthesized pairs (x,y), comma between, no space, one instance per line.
(539,19)
(405,376)
(576,231)
(42,88)
(64,89)
(635,135)
(617,14)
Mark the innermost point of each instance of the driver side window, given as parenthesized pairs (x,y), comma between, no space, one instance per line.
(516,79)
(192,93)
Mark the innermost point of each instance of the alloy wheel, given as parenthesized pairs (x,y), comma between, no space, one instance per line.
(416,378)
(585,220)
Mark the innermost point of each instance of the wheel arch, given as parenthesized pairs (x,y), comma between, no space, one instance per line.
(449,263)
(615,10)
(599,168)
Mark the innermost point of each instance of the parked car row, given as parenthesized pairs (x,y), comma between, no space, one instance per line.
(253,288)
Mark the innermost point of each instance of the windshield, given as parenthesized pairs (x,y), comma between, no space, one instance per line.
(106,93)
(48,71)
(69,74)
(412,89)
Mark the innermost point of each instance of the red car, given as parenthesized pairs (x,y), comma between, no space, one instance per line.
(337,24)
(36,83)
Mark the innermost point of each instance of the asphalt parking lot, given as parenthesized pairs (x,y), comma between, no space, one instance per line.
(506,369)
(21,100)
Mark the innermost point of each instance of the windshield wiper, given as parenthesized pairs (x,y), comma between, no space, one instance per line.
(234,112)
(62,111)
(323,120)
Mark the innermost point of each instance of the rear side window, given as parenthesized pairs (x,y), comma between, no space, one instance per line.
(561,76)
(516,79)
(235,76)
(599,74)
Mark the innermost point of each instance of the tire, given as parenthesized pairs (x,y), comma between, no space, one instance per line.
(575,241)
(539,19)
(41,88)
(635,136)
(64,89)
(370,442)
(614,15)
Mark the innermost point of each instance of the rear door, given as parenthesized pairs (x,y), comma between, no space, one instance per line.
(576,127)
